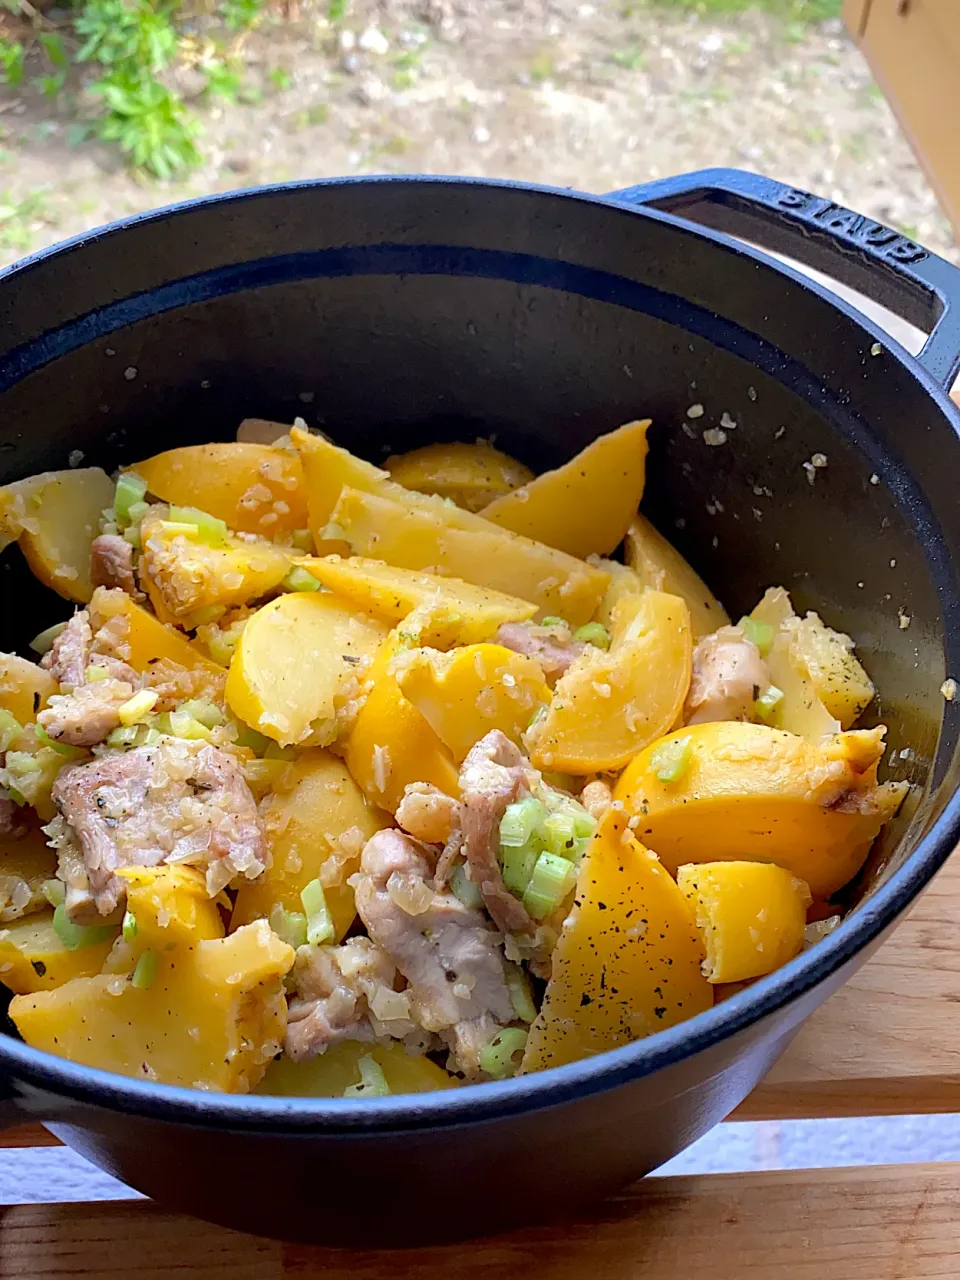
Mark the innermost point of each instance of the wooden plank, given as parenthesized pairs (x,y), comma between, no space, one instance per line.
(28,1135)
(893,1223)
(889,1040)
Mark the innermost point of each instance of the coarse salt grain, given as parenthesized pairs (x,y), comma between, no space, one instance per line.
(905,620)
(130,373)
(874,479)
(727,421)
(949,689)
(714,436)
(695,411)
(876,349)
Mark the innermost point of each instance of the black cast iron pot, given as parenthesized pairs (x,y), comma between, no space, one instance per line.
(393,312)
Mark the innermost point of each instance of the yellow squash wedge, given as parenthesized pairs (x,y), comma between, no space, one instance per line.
(253,488)
(33,958)
(25,688)
(627,963)
(584,507)
(145,640)
(320,817)
(610,704)
(751,793)
(660,566)
(336,1070)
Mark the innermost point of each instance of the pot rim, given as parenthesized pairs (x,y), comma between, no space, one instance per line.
(472,1104)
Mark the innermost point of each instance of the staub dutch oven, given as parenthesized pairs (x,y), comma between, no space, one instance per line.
(392,312)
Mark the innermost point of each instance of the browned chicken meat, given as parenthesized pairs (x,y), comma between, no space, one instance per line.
(111,564)
(553,647)
(451,958)
(93,687)
(174,802)
(728,677)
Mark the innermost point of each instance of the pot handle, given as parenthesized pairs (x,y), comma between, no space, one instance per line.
(875,260)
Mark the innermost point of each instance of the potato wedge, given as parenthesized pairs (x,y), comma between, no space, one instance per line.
(336,1070)
(25,688)
(662,567)
(755,794)
(252,487)
(391,744)
(465,694)
(55,517)
(438,538)
(610,704)
(294,664)
(26,860)
(144,641)
(327,469)
(213,1016)
(584,507)
(392,593)
(800,710)
(185,576)
(827,656)
(471,475)
(751,916)
(624,581)
(33,958)
(322,817)
(627,963)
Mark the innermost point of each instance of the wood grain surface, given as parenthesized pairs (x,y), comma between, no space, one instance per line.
(886,1223)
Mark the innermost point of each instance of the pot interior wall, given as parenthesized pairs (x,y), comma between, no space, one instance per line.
(421,347)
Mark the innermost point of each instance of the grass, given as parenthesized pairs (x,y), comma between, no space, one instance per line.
(790,10)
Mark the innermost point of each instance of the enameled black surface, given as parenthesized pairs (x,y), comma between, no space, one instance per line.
(393,312)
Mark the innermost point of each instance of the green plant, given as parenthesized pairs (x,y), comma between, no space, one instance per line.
(241,15)
(148,123)
(630,58)
(280,78)
(807,11)
(11,62)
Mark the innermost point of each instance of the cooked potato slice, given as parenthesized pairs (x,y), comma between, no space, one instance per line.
(393,593)
(33,957)
(627,963)
(26,860)
(261,431)
(337,1069)
(294,665)
(144,640)
(624,581)
(391,744)
(208,1012)
(55,517)
(253,488)
(327,469)
(751,916)
(471,475)
(800,710)
(662,567)
(731,791)
(24,687)
(584,507)
(610,704)
(185,576)
(316,828)
(437,537)
(465,694)
(840,681)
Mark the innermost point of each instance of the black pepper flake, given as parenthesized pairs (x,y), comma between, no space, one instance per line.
(660,1010)
(39,967)
(585,1000)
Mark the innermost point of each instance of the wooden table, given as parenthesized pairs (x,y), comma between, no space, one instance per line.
(888,1042)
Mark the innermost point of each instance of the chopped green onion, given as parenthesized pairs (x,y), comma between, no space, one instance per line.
(74,936)
(521,993)
(302,539)
(65,749)
(145,971)
(203,617)
(289,926)
(137,511)
(499,1057)
(132,535)
(95,674)
(208,713)
(758,633)
(221,644)
(43,642)
(463,889)
(274,751)
(136,708)
(129,929)
(552,622)
(15,796)
(125,736)
(537,716)
(178,528)
(559,834)
(670,760)
(250,738)
(517,865)
(10,729)
(319,921)
(177,724)
(594,633)
(298,579)
(551,881)
(131,489)
(766,705)
(147,736)
(208,528)
(55,891)
(519,822)
(372,1082)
